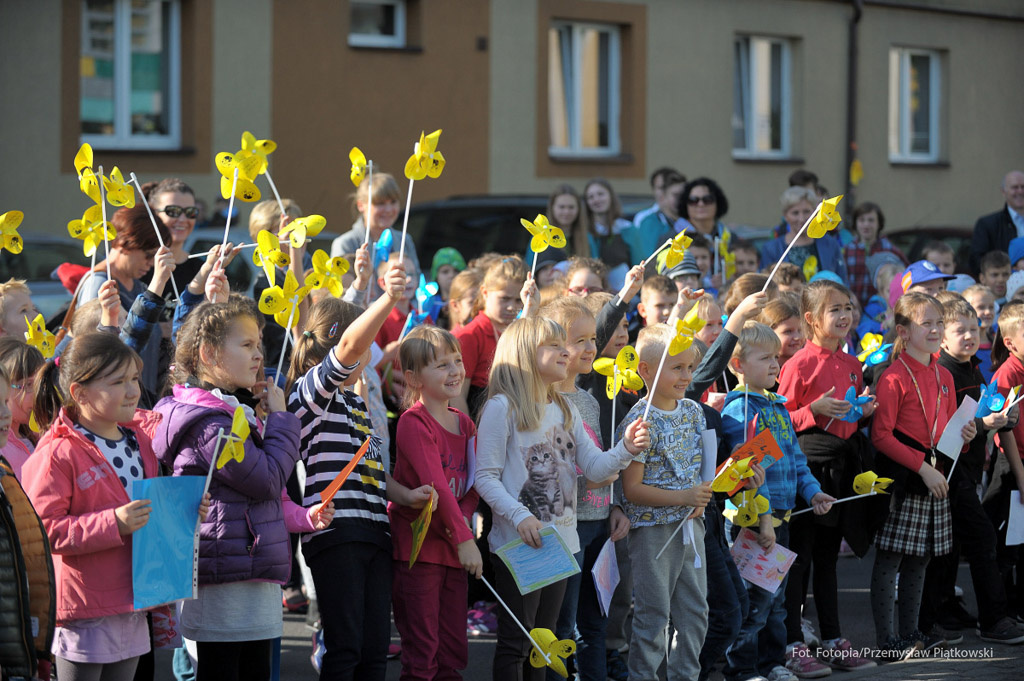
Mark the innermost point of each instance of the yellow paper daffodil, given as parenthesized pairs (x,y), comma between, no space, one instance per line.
(749,505)
(544,234)
(119,193)
(258,148)
(358,172)
(280,300)
(620,371)
(810,267)
(730,476)
(87,180)
(686,329)
(677,250)
(234,448)
(546,640)
(426,160)
(868,482)
(91,229)
(330,271)
(268,254)
(868,344)
(299,229)
(827,218)
(38,337)
(248,166)
(9,237)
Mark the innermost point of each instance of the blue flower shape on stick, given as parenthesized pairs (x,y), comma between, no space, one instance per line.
(990,402)
(384,246)
(856,412)
(880,355)
(413,320)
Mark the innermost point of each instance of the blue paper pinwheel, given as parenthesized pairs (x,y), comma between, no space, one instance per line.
(880,355)
(990,402)
(856,412)
(384,246)
(413,320)
(427,300)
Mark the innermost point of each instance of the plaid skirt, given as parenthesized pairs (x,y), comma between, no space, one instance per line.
(920,526)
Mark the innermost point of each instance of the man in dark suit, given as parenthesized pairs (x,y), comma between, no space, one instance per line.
(993,232)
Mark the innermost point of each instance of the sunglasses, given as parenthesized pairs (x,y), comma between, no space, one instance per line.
(707,200)
(175,212)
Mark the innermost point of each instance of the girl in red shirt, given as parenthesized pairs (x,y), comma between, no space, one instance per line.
(916,399)
(499,303)
(814,381)
(435,445)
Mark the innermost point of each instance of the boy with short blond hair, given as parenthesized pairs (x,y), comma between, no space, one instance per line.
(972,530)
(760,647)
(663,488)
(15,304)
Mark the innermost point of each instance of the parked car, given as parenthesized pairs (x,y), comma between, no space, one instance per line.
(912,240)
(36,264)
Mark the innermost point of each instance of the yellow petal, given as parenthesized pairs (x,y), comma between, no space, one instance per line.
(435,165)
(299,229)
(249,165)
(430,141)
(11,219)
(627,358)
(556,237)
(810,267)
(538,244)
(90,185)
(632,380)
(604,366)
(693,321)
(413,169)
(225,163)
(357,157)
(83,159)
(272,300)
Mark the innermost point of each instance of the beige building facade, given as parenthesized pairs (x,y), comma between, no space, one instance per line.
(529,93)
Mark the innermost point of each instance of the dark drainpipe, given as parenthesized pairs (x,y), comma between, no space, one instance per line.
(851,101)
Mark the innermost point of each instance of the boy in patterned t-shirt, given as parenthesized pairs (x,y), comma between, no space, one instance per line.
(663,489)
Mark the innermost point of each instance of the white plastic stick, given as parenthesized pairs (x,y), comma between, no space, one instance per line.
(206,253)
(615,376)
(227,219)
(103,213)
(790,247)
(653,255)
(837,501)
(273,188)
(650,388)
(213,460)
(515,619)
(369,202)
(951,469)
(287,335)
(671,537)
(156,228)
(405,222)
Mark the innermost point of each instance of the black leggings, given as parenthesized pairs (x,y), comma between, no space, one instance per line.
(816,546)
(233,660)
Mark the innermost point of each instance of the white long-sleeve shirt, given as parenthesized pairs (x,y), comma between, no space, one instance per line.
(524,473)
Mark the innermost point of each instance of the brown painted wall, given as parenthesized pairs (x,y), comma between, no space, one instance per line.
(440,81)
(195,155)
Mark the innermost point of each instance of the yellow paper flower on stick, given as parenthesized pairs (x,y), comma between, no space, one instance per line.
(38,337)
(258,148)
(330,272)
(677,250)
(827,218)
(686,329)
(299,229)
(119,192)
(91,229)
(9,237)
(279,300)
(248,165)
(555,649)
(868,482)
(426,160)
(268,255)
(544,234)
(620,371)
(358,172)
(234,448)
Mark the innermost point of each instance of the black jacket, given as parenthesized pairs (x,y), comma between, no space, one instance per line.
(992,232)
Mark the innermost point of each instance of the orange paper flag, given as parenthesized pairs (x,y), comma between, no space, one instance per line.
(339,480)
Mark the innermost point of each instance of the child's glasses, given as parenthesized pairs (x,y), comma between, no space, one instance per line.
(191,212)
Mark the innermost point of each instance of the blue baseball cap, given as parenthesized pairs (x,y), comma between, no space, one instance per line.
(921,272)
(1016,251)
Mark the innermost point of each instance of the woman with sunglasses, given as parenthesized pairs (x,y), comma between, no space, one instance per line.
(174,204)
(703,204)
(797,205)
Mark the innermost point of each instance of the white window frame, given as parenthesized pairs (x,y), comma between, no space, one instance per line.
(369,40)
(123,137)
(576,148)
(785,88)
(899,105)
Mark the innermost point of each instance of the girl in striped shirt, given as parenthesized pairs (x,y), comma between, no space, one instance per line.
(351,559)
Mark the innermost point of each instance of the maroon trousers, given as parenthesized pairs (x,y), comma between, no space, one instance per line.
(429,602)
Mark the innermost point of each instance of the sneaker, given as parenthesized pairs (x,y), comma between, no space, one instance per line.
(811,638)
(839,653)
(617,669)
(927,641)
(780,673)
(949,637)
(801,662)
(953,615)
(317,658)
(293,600)
(394,650)
(1004,631)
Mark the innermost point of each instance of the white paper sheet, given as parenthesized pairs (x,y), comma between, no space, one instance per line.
(951,442)
(606,575)
(1015,531)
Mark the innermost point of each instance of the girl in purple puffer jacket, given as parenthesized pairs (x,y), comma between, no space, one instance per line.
(244,552)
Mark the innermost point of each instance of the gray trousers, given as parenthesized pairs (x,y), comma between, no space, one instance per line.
(670,585)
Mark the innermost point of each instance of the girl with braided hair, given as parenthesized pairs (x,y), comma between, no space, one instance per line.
(244,552)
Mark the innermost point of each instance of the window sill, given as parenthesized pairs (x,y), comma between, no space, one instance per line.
(614,159)
(406,49)
(771,160)
(910,163)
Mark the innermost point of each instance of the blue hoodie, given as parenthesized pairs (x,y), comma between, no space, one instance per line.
(788,475)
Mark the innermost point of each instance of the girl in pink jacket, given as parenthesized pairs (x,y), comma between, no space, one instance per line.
(95,446)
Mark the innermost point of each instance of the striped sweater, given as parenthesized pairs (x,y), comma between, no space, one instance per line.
(335,423)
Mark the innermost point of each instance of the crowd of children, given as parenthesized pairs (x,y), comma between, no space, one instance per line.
(493,415)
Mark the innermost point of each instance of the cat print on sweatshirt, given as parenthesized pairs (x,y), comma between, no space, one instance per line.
(550,488)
